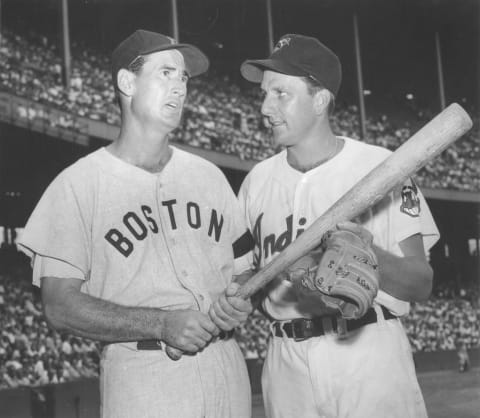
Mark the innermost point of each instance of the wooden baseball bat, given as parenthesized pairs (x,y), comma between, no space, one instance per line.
(422,147)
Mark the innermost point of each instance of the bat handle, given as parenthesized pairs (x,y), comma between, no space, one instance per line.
(173,353)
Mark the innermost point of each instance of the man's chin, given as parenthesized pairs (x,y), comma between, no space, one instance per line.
(279,141)
(171,122)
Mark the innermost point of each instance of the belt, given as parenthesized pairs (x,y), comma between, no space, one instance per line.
(157,344)
(302,328)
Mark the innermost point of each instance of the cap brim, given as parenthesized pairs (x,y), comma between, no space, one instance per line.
(196,62)
(252,70)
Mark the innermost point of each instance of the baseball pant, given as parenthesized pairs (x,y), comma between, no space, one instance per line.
(147,384)
(368,373)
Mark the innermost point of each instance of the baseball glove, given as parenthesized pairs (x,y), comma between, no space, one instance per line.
(344,270)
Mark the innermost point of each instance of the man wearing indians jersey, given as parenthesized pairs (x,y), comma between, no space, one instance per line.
(320,364)
(138,245)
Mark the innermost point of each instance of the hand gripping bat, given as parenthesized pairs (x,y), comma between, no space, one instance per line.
(422,147)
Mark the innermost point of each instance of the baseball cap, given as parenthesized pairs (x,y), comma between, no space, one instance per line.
(144,42)
(298,55)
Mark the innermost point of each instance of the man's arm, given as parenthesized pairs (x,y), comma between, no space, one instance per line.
(407,278)
(68,309)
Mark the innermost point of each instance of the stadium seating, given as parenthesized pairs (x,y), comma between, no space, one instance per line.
(31,353)
(219,115)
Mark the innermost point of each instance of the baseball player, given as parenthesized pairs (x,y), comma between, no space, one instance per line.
(136,245)
(337,346)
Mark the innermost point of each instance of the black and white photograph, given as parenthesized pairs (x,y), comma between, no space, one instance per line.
(239,209)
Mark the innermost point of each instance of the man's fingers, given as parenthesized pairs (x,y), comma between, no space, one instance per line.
(223,324)
(241,306)
(195,340)
(347,225)
(232,289)
(356,229)
(223,310)
(208,325)
(211,328)
(226,307)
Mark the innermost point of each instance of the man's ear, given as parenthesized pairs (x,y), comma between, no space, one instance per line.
(321,100)
(125,82)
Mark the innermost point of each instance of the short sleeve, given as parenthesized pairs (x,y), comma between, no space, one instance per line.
(57,228)
(52,267)
(411,215)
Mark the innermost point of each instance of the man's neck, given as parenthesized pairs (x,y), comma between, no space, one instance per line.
(146,149)
(306,156)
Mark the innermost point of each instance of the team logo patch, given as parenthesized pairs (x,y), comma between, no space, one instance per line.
(281,43)
(410,201)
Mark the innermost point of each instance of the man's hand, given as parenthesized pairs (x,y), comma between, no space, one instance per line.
(230,311)
(187,329)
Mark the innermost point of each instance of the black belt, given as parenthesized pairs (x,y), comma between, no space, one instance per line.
(157,344)
(302,328)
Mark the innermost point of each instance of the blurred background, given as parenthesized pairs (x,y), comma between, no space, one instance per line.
(403,62)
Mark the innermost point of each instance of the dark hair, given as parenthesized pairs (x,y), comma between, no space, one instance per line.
(137,64)
(313,86)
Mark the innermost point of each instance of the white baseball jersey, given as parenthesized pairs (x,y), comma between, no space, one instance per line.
(280,203)
(370,371)
(170,240)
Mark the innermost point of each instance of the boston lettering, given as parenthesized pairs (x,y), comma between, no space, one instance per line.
(139,223)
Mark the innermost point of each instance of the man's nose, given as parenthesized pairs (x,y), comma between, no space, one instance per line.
(179,89)
(266,108)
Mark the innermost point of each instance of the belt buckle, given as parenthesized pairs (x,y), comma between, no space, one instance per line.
(299,326)
(342,329)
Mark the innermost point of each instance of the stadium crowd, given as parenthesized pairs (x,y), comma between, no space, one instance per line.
(219,115)
(32,354)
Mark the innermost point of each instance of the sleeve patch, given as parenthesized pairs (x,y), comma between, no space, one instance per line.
(410,201)
(243,245)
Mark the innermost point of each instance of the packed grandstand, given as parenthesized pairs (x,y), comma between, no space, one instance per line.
(220,116)
(32,353)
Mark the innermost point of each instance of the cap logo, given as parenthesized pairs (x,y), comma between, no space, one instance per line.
(281,43)
(172,40)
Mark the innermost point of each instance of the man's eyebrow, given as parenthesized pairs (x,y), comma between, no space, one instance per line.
(171,68)
(167,67)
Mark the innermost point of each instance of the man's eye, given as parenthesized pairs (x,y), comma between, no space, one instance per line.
(166,73)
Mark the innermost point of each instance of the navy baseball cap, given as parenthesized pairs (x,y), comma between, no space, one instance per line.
(301,56)
(144,42)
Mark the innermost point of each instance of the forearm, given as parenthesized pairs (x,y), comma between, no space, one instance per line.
(407,278)
(97,319)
